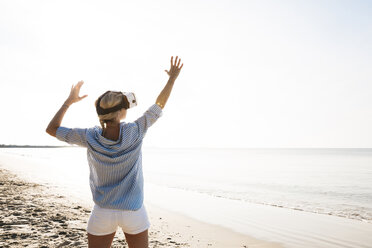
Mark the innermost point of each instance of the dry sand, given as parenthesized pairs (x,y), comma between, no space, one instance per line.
(33,216)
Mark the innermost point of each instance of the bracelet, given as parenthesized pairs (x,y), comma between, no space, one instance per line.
(160,105)
(66,105)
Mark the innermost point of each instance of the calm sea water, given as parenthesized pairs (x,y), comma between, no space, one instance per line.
(325,181)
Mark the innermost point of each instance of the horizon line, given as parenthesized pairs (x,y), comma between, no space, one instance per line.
(182,147)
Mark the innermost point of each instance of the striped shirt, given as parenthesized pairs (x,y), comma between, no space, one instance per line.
(116,178)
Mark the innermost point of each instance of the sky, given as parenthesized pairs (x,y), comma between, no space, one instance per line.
(286,74)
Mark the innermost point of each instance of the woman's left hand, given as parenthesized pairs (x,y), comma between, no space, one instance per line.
(74,94)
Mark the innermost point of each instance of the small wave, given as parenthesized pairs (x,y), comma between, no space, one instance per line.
(340,210)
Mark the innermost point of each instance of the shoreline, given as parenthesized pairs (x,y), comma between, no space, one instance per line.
(189,218)
(34,216)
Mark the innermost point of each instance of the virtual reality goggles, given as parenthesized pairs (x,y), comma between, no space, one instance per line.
(128,101)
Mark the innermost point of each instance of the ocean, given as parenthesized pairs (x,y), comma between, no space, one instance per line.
(335,182)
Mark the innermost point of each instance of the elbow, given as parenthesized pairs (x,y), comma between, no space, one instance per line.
(51,131)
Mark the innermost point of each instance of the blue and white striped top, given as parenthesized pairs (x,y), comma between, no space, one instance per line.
(116,178)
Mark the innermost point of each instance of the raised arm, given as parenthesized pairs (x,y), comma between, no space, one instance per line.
(173,73)
(55,123)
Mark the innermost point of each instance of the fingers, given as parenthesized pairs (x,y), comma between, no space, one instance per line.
(176,66)
(176,63)
(82,97)
(79,84)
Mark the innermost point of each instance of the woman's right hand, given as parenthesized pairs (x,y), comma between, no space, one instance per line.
(175,69)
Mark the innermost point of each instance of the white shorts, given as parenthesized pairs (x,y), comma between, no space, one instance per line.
(103,221)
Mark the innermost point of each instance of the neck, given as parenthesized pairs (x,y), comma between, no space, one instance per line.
(112,124)
(112,130)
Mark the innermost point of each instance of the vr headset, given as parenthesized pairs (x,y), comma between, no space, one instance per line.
(128,101)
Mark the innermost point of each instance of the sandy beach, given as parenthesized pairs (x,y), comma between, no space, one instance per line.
(34,216)
(45,201)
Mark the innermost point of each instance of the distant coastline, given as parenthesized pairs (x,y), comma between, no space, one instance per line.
(30,146)
(214,148)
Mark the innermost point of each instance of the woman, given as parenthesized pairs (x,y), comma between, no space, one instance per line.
(115,162)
